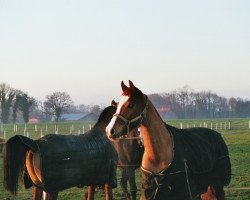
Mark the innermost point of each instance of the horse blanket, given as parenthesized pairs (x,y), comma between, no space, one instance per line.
(70,160)
(200,159)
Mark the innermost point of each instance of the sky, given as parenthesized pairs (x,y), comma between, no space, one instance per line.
(86,48)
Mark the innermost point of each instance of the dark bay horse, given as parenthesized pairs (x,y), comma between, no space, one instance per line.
(177,164)
(57,162)
(130,150)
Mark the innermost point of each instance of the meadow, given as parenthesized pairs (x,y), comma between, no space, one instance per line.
(236,133)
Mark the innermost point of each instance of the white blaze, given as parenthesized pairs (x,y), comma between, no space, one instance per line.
(122,101)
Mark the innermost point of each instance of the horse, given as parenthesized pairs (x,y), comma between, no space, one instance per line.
(177,164)
(130,150)
(56,162)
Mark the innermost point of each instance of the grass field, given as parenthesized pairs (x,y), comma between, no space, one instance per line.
(237,139)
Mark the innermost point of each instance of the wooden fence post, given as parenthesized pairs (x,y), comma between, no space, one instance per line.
(181,125)
(41,132)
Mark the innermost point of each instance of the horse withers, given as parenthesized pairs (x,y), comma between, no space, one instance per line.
(57,162)
(177,164)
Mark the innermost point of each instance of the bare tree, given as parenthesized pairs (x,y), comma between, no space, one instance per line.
(96,110)
(57,103)
(7,94)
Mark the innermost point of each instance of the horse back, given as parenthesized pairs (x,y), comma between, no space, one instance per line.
(204,151)
(68,161)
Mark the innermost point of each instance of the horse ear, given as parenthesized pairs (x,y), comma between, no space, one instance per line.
(131,86)
(113,103)
(125,89)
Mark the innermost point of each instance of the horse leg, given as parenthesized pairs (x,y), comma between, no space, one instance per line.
(209,194)
(123,184)
(38,193)
(50,196)
(91,193)
(132,183)
(219,192)
(108,192)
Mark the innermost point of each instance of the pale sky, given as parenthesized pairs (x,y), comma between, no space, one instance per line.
(85,48)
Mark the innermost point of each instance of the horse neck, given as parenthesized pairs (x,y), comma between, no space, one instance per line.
(157,142)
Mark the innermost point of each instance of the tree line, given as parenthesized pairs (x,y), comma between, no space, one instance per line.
(182,103)
(16,104)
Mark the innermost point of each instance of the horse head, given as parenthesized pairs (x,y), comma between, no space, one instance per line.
(130,112)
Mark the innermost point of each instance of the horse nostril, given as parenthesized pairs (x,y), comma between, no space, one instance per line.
(112,131)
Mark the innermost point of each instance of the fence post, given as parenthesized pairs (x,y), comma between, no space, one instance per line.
(181,125)
(229,125)
(216,126)
(83,129)
(41,132)
(90,126)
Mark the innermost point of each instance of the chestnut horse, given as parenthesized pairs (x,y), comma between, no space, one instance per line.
(177,164)
(20,157)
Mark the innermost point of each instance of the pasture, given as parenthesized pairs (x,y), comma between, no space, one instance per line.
(236,133)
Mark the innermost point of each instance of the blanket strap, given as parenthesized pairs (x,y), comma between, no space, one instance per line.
(187,179)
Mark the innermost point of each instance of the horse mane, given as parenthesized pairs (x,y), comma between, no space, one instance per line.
(103,114)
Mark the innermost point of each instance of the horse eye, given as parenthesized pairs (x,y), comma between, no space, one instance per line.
(130,105)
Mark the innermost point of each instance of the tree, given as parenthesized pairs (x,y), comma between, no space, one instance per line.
(57,103)
(16,105)
(96,110)
(7,94)
(25,103)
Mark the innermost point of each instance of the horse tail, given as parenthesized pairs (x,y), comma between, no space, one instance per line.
(14,161)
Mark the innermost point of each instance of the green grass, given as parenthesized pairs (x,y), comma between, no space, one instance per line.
(237,139)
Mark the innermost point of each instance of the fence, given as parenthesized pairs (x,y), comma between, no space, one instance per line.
(39,130)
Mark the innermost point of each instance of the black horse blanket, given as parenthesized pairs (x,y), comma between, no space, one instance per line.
(200,159)
(70,160)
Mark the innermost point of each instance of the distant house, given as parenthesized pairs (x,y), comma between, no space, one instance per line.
(33,120)
(79,117)
(89,117)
